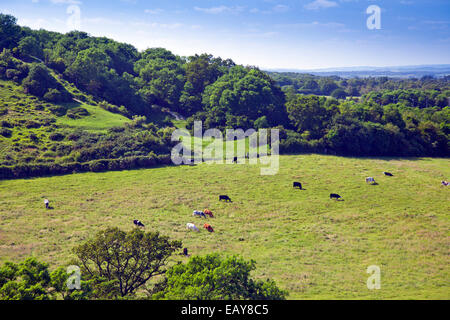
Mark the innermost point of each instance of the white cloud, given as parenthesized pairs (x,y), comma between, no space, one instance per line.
(170,26)
(221,9)
(320,4)
(280,8)
(65,1)
(154,11)
(102,21)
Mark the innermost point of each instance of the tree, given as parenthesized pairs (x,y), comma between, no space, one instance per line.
(214,278)
(9,31)
(39,80)
(308,113)
(28,280)
(339,93)
(29,46)
(161,77)
(126,259)
(201,71)
(246,92)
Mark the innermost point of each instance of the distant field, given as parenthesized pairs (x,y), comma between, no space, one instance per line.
(314,247)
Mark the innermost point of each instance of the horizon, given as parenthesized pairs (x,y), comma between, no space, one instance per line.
(272,35)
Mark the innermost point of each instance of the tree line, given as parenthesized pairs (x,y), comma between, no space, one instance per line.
(359,117)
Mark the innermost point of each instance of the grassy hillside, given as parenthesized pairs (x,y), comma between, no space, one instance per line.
(312,246)
(97,118)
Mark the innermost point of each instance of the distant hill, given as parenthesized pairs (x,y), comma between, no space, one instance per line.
(437,70)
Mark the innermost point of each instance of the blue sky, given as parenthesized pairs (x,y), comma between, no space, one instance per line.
(270,34)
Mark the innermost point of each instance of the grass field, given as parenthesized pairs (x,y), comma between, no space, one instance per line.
(314,247)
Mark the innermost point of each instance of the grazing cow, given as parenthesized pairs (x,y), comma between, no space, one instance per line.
(209,213)
(138,223)
(185,252)
(388,174)
(445,183)
(191,226)
(370,180)
(298,185)
(335,196)
(198,214)
(224,198)
(208,227)
(47,204)
(235,159)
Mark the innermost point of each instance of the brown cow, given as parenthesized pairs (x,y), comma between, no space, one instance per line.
(208,227)
(208,213)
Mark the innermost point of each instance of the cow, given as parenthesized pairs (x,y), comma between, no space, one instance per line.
(198,214)
(208,213)
(235,160)
(47,204)
(335,196)
(224,198)
(445,183)
(208,227)
(297,185)
(191,226)
(370,180)
(388,174)
(138,223)
(185,252)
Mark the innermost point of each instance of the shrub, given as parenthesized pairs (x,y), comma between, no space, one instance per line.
(5,133)
(56,136)
(77,113)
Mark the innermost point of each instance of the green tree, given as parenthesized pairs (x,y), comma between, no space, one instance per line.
(246,92)
(28,280)
(29,46)
(126,260)
(308,113)
(339,93)
(9,31)
(161,77)
(39,80)
(214,278)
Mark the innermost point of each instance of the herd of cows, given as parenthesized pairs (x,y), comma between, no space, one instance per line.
(207,213)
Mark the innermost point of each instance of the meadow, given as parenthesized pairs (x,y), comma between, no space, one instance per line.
(314,247)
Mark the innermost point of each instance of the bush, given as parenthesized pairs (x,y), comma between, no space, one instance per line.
(77,113)
(56,136)
(31,124)
(56,96)
(58,110)
(5,133)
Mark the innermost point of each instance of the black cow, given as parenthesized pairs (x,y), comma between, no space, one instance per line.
(335,196)
(235,159)
(224,198)
(298,185)
(185,251)
(388,174)
(138,223)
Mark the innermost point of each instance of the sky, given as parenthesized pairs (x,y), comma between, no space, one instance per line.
(270,34)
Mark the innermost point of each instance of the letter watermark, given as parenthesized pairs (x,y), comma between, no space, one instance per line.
(374,20)
(209,147)
(374,281)
(74,280)
(74,20)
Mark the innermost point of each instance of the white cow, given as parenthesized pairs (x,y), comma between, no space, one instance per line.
(198,214)
(191,226)
(370,179)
